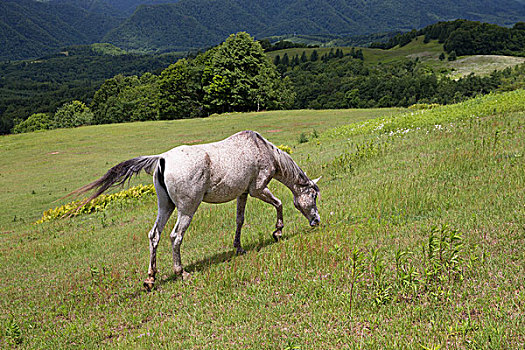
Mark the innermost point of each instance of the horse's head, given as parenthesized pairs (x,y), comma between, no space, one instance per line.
(305,201)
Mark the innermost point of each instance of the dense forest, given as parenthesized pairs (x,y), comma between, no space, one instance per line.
(31,28)
(41,86)
(34,28)
(190,24)
(332,81)
(467,38)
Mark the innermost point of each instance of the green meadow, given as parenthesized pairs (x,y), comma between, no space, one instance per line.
(427,53)
(421,245)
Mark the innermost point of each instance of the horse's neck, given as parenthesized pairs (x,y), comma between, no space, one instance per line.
(287,173)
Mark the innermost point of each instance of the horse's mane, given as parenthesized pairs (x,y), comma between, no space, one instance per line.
(286,166)
(289,169)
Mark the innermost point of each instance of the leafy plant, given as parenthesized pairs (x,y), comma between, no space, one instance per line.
(98,204)
(13,332)
(443,254)
(356,272)
(285,148)
(303,138)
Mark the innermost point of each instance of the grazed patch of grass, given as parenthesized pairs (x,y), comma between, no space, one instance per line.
(421,246)
(482,64)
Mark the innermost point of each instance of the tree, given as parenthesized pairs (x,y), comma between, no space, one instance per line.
(238,76)
(106,104)
(180,91)
(126,99)
(303,57)
(314,56)
(73,114)
(141,99)
(285,61)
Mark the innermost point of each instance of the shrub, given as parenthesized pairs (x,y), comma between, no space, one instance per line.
(98,204)
(303,138)
(35,122)
(73,114)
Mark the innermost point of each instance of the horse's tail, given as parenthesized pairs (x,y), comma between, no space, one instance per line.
(118,175)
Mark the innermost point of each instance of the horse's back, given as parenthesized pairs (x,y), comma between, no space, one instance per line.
(219,171)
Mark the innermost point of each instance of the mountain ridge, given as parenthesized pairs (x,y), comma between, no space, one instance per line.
(270,18)
(30,28)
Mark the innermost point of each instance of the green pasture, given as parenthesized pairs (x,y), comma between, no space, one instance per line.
(40,168)
(427,53)
(416,48)
(421,246)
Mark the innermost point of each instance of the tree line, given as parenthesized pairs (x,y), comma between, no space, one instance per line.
(237,76)
(234,76)
(467,38)
(349,83)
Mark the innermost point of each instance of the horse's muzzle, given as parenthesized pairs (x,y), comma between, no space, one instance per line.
(315,221)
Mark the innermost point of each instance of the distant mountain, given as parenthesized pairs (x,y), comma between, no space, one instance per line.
(34,28)
(129,6)
(31,28)
(190,24)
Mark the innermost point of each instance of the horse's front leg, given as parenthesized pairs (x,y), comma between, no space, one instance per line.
(241,206)
(268,197)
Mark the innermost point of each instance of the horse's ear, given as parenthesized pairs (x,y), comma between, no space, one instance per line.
(316,180)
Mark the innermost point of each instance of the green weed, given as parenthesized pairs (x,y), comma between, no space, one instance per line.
(12,332)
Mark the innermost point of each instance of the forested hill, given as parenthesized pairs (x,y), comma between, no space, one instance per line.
(191,24)
(31,28)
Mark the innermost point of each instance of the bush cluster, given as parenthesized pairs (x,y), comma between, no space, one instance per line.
(98,204)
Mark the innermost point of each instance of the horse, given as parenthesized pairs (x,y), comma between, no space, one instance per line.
(240,165)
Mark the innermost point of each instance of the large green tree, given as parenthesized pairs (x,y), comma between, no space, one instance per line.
(180,90)
(124,99)
(73,114)
(238,76)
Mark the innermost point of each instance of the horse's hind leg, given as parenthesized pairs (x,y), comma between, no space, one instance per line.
(165,209)
(241,206)
(268,197)
(183,222)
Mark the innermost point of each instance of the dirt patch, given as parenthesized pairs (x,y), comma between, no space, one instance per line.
(193,141)
(275,130)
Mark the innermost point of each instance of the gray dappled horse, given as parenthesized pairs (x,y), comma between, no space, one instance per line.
(217,172)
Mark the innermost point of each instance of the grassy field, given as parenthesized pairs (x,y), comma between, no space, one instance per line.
(421,246)
(427,53)
(40,168)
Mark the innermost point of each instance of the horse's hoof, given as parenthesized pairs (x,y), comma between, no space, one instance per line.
(186,276)
(180,273)
(240,251)
(149,283)
(277,234)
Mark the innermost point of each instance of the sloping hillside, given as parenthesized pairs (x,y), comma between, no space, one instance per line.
(195,23)
(30,28)
(421,243)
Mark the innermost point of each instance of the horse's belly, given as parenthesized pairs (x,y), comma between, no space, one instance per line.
(222,193)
